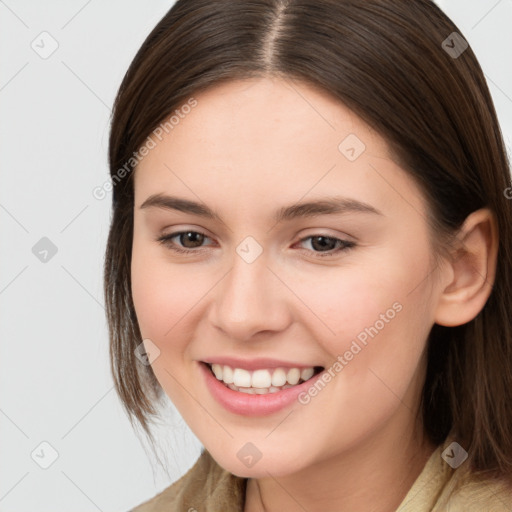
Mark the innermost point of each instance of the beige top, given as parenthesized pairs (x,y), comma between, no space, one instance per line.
(207,487)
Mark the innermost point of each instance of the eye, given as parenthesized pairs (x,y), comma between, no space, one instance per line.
(190,239)
(323,245)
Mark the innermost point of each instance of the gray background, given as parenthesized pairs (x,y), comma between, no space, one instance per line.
(55,383)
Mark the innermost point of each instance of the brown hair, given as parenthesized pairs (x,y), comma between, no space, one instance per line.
(386,61)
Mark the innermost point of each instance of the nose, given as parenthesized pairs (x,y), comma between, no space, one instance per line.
(250,300)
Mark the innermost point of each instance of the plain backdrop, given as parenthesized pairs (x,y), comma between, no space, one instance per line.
(66,443)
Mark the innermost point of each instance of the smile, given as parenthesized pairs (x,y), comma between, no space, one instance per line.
(262,381)
(261,391)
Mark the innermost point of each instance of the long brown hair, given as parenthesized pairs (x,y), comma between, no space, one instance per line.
(388,61)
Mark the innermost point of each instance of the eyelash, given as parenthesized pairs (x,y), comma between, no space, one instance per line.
(166,240)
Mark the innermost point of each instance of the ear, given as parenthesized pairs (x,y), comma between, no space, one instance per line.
(470,273)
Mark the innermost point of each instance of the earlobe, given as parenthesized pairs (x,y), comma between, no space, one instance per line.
(472,270)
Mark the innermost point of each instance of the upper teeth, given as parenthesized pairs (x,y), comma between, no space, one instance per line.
(261,378)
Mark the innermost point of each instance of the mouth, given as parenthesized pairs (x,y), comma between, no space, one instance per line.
(262,381)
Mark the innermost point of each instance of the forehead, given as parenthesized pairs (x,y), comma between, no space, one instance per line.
(253,140)
(273,109)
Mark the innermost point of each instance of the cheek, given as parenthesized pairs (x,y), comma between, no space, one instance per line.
(163,299)
(382,303)
(161,293)
(380,329)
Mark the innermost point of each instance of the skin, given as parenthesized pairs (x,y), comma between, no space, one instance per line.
(247,149)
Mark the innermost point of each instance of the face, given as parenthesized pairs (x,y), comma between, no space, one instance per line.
(264,288)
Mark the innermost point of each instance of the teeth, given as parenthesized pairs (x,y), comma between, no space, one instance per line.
(249,391)
(241,378)
(227,375)
(279,377)
(217,370)
(307,373)
(258,391)
(293,376)
(261,381)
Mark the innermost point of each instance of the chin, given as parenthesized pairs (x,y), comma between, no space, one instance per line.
(276,464)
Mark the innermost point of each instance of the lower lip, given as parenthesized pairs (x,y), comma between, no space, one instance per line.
(252,405)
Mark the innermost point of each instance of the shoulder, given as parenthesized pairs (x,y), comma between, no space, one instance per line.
(205,487)
(475,494)
(441,487)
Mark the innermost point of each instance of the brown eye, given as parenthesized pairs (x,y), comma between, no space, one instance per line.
(187,241)
(191,239)
(323,243)
(327,245)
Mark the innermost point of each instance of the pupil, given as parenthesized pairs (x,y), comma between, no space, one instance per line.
(190,236)
(322,245)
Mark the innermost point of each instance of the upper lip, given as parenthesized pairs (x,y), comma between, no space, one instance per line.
(257,363)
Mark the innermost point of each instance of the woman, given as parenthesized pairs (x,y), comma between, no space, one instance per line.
(310,255)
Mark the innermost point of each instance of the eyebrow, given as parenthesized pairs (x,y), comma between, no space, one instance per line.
(325,206)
